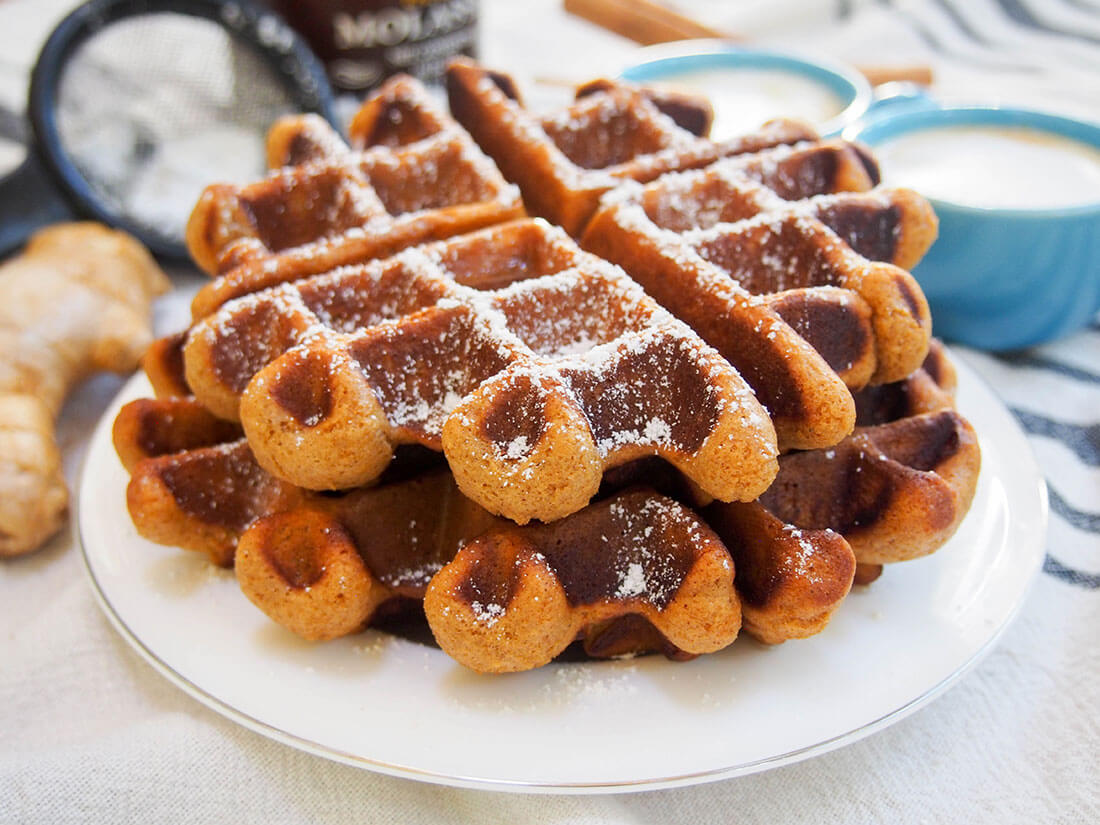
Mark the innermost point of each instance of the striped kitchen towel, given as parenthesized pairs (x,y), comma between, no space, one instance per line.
(1054,392)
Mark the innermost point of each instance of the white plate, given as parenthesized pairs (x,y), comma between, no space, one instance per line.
(394,706)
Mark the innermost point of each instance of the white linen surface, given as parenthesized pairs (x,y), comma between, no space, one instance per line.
(90,733)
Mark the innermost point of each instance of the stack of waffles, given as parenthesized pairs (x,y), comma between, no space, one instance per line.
(694,394)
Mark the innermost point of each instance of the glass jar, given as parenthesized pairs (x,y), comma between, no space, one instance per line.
(362,42)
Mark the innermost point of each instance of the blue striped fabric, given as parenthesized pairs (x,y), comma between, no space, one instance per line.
(1054,392)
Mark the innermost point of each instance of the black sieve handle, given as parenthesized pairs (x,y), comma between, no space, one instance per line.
(28,201)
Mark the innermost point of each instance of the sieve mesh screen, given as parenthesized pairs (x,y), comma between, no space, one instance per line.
(154,107)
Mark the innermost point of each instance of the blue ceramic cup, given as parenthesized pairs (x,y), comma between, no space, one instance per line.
(1001,278)
(834,95)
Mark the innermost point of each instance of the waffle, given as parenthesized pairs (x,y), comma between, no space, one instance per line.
(195,484)
(149,428)
(894,490)
(531,389)
(327,568)
(689,111)
(565,161)
(410,175)
(900,485)
(193,481)
(791,579)
(306,567)
(627,565)
(163,366)
(797,347)
(298,548)
(791,233)
(515,598)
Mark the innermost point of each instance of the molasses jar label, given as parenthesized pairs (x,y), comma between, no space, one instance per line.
(362,42)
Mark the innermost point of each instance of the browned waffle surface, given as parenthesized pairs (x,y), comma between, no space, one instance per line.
(915,481)
(323,566)
(148,428)
(195,484)
(564,161)
(531,389)
(193,481)
(323,570)
(687,109)
(794,233)
(163,366)
(900,485)
(791,579)
(411,174)
(516,597)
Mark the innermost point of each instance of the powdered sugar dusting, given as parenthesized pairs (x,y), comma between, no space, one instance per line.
(644,527)
(632,581)
(574,682)
(487,614)
(414,576)
(517,448)
(799,561)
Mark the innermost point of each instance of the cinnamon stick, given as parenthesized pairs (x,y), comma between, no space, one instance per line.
(647,22)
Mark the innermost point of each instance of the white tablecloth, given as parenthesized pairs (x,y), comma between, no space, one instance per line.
(90,733)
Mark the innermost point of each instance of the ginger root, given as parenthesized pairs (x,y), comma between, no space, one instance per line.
(75,301)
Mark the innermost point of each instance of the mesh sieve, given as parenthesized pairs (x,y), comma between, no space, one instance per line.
(135,105)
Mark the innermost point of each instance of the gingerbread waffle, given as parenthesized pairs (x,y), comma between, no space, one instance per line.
(195,484)
(531,389)
(565,161)
(193,481)
(790,579)
(688,110)
(901,484)
(896,489)
(791,233)
(515,598)
(498,597)
(325,569)
(322,566)
(411,174)
(615,136)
